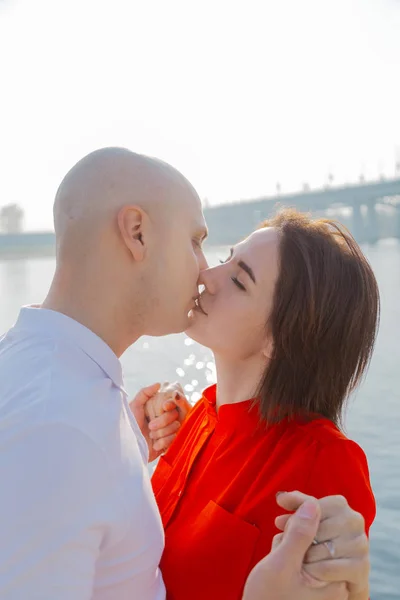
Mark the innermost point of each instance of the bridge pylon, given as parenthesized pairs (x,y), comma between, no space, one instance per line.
(371,223)
(357,223)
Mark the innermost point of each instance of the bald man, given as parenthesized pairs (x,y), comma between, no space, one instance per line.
(78,519)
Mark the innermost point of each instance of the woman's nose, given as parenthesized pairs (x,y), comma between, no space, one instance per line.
(208,280)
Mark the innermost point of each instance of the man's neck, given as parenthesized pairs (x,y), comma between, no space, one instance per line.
(98,310)
(238,380)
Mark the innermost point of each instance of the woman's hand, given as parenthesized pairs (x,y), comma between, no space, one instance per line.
(166,398)
(280,575)
(342,552)
(167,423)
(169,398)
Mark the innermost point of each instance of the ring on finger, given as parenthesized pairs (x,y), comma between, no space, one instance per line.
(329,545)
(315,542)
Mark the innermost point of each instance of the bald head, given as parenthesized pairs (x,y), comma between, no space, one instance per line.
(100,184)
(129,231)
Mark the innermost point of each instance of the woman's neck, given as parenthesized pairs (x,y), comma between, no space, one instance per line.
(238,380)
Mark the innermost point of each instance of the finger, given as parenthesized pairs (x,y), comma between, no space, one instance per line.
(346,530)
(347,543)
(163,444)
(169,405)
(330,505)
(149,411)
(179,400)
(183,403)
(348,525)
(333,591)
(299,534)
(338,548)
(146,393)
(291,500)
(179,388)
(172,401)
(350,570)
(281,521)
(165,431)
(276,540)
(164,420)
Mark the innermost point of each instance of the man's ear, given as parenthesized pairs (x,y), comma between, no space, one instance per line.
(132,223)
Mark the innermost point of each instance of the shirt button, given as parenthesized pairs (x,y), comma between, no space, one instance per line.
(179,493)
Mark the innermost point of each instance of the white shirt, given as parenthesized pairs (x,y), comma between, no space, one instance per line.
(78,518)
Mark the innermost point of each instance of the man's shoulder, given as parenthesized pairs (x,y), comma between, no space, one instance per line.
(46,380)
(25,375)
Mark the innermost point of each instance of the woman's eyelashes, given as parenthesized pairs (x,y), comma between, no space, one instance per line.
(238,284)
(234,279)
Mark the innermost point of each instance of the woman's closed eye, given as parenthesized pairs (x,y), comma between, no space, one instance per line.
(238,284)
(234,279)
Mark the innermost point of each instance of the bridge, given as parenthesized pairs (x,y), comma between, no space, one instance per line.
(371,210)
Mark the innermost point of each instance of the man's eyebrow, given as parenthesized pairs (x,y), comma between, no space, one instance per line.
(247,269)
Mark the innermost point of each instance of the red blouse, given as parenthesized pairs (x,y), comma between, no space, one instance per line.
(216,488)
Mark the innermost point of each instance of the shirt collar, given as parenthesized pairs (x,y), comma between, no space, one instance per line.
(246,414)
(238,415)
(55,325)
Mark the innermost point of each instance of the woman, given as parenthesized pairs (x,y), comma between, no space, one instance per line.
(291,317)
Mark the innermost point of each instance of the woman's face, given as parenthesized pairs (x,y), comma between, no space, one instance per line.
(238,298)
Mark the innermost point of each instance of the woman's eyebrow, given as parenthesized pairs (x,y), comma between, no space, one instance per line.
(247,269)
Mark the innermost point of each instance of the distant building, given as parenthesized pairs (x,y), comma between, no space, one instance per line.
(11,219)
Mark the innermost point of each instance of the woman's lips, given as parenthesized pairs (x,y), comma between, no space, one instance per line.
(198,306)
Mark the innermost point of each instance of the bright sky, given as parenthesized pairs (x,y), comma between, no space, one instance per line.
(238,95)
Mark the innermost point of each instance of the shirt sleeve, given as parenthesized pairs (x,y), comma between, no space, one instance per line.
(54,513)
(341,468)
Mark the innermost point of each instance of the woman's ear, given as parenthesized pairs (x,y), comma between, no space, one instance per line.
(268,349)
(131,223)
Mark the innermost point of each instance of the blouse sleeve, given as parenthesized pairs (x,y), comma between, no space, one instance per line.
(341,468)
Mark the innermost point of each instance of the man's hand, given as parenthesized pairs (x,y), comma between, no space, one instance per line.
(167,424)
(280,576)
(342,553)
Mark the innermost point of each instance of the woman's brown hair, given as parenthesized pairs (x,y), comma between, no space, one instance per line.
(324,319)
